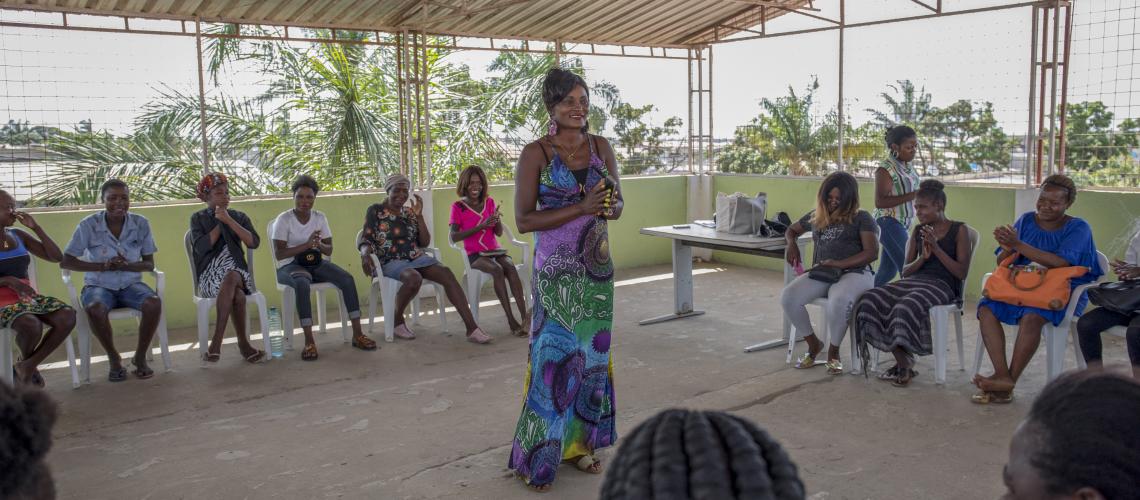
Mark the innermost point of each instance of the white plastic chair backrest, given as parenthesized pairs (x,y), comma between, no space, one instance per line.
(32,271)
(189,244)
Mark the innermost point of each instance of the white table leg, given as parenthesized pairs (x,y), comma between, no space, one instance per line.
(682,286)
(789,275)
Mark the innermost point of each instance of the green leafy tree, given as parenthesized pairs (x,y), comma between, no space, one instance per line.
(784,137)
(910,106)
(1090,140)
(640,144)
(972,134)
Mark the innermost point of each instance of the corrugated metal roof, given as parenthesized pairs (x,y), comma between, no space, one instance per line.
(662,23)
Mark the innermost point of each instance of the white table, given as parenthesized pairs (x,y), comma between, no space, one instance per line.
(685,238)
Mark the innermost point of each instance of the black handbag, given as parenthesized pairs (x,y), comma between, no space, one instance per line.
(826,274)
(1121,297)
(308,259)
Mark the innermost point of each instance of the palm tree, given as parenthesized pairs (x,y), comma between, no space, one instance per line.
(908,106)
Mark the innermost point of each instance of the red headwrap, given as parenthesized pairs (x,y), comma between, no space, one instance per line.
(209,182)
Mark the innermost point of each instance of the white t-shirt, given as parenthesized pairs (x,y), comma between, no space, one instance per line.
(1132,254)
(290,230)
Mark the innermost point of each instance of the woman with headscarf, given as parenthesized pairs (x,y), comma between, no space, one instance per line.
(397,235)
(220,236)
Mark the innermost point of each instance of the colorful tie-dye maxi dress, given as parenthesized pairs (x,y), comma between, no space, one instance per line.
(569,407)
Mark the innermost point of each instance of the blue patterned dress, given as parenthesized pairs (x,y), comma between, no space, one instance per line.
(569,407)
(1072,242)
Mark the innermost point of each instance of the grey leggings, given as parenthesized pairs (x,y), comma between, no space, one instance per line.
(301,278)
(840,297)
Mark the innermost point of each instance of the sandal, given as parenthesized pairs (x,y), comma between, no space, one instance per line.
(903,378)
(361,342)
(520,332)
(256,357)
(997,398)
(834,367)
(537,488)
(806,361)
(117,374)
(478,336)
(37,379)
(309,353)
(143,372)
(588,464)
(889,375)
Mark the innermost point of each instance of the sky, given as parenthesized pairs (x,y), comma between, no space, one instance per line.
(58,78)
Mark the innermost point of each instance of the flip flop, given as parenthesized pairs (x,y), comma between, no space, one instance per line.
(403,332)
(478,336)
(117,374)
(587,463)
(985,398)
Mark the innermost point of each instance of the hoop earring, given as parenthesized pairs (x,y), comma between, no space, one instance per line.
(894,154)
(552,128)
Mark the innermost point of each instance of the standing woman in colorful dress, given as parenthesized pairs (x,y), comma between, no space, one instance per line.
(566,191)
(896,184)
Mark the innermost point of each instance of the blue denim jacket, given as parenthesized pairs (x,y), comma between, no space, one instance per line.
(93,242)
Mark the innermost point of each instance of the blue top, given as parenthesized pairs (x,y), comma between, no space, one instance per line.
(93,242)
(1072,242)
(14,261)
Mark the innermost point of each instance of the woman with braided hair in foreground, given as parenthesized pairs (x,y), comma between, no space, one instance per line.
(1080,441)
(689,454)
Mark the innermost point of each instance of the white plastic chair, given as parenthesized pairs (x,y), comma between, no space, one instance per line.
(821,302)
(1055,337)
(474,279)
(83,325)
(289,300)
(940,322)
(387,288)
(7,350)
(204,305)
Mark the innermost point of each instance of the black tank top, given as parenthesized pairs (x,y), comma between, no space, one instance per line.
(933,267)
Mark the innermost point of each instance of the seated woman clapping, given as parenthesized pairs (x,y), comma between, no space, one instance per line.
(396,234)
(1049,238)
(476,221)
(894,317)
(301,239)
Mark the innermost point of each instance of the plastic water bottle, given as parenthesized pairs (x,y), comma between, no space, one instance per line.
(276,336)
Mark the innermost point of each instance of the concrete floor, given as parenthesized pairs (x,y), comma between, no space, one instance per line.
(433,418)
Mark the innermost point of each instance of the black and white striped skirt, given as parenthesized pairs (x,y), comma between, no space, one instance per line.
(898,315)
(211,280)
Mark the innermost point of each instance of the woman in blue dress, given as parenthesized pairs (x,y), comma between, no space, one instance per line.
(1049,238)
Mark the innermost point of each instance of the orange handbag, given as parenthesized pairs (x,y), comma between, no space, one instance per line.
(1031,286)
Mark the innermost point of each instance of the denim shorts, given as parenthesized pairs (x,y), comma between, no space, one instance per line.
(132,296)
(393,268)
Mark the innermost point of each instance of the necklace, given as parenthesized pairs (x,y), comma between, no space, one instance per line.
(570,156)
